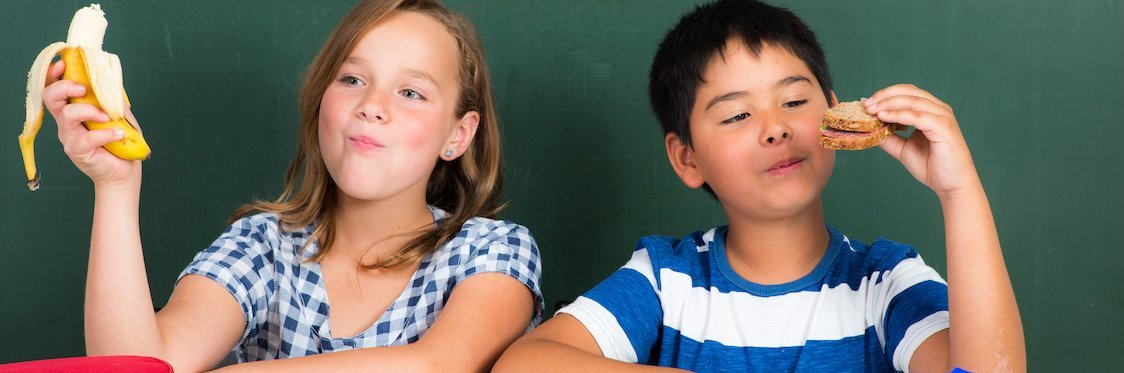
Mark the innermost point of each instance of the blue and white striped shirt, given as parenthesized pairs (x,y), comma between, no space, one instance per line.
(679,303)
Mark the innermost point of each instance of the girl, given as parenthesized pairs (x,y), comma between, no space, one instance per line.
(381,245)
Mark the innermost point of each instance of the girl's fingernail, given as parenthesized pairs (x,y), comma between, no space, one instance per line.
(118,133)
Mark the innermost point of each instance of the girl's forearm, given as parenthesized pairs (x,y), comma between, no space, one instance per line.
(407,358)
(985,330)
(119,314)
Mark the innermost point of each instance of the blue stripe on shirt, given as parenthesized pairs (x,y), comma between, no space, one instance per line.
(683,256)
(909,307)
(642,307)
(815,356)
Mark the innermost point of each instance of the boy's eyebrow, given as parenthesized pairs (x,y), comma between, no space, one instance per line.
(725,97)
(792,80)
(733,95)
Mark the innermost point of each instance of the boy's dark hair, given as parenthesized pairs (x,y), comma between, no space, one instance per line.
(677,69)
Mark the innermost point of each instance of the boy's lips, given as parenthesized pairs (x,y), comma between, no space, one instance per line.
(785,166)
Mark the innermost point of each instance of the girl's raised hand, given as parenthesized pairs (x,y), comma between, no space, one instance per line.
(936,153)
(84,147)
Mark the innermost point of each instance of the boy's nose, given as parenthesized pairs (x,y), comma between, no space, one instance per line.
(773,139)
(776,134)
(776,129)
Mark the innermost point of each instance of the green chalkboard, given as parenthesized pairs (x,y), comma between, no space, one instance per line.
(1035,85)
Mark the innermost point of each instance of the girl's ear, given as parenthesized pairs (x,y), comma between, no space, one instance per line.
(461,137)
(682,160)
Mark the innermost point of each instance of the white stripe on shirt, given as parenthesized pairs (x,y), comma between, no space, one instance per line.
(915,335)
(642,263)
(604,327)
(906,273)
(733,319)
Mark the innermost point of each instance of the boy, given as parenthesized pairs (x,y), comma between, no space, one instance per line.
(740,88)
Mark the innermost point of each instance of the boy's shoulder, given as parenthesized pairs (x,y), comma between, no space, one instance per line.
(847,260)
(692,245)
(881,254)
(857,262)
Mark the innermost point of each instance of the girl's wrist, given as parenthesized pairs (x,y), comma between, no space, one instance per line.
(117,190)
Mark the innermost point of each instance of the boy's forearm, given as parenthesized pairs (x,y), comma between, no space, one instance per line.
(119,313)
(541,355)
(985,330)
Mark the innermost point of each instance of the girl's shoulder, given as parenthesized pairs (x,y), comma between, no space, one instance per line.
(266,223)
(481,235)
(263,233)
(481,230)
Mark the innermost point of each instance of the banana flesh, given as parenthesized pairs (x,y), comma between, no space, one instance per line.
(99,71)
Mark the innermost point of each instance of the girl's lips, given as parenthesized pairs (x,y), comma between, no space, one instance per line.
(364,142)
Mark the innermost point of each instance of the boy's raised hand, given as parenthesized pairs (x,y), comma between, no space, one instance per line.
(936,153)
(84,147)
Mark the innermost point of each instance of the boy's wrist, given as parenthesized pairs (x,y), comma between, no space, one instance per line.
(970,193)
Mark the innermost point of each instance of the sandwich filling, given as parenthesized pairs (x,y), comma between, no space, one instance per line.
(841,134)
(847,126)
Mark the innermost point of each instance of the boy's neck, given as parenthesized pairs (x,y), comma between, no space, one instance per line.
(777,251)
(372,230)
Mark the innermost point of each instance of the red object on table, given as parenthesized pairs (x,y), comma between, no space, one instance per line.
(93,364)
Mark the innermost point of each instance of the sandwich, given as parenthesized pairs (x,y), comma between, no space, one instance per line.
(847,126)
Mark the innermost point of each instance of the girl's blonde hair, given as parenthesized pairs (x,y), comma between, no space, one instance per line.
(466,187)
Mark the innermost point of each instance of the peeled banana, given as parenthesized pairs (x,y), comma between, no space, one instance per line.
(99,71)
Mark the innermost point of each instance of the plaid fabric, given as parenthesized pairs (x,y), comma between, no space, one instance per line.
(285,303)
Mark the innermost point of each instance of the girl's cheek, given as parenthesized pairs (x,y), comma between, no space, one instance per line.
(428,129)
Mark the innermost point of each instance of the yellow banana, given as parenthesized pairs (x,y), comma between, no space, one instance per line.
(99,71)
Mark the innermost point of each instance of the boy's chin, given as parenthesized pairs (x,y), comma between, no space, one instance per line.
(786,204)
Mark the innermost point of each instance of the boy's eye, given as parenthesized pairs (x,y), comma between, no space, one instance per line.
(411,94)
(736,118)
(792,104)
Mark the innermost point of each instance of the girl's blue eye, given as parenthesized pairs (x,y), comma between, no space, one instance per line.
(412,94)
(736,118)
(350,80)
(793,104)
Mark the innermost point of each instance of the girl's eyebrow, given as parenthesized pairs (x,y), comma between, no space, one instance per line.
(356,60)
(424,76)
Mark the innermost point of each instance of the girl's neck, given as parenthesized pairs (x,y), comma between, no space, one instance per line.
(369,231)
(777,251)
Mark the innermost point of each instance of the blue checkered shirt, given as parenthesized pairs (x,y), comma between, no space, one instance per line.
(285,304)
